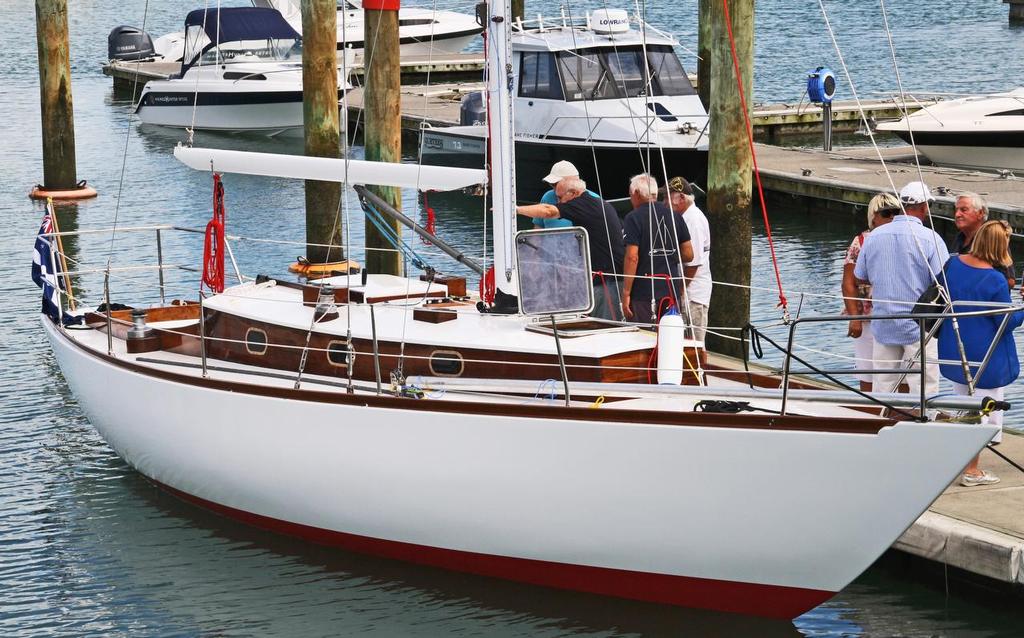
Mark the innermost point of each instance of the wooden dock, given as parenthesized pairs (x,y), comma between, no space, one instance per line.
(845,180)
(977,532)
(774,121)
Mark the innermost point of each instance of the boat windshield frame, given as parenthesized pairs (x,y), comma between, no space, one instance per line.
(618,73)
(258,35)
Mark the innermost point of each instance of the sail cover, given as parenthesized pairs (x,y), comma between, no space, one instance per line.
(325,169)
(241,23)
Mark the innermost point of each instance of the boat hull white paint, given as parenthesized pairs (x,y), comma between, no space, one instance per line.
(773,508)
(984,157)
(261,118)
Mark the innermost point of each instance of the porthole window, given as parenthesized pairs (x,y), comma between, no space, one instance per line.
(256,341)
(338,353)
(446,363)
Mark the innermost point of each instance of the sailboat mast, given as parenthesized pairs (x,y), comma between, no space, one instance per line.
(500,85)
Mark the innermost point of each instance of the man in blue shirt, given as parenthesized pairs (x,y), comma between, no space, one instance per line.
(559,171)
(605,236)
(900,260)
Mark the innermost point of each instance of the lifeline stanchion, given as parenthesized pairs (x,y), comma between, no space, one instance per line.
(561,359)
(106,298)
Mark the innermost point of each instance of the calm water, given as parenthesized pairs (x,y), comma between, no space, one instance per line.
(88,548)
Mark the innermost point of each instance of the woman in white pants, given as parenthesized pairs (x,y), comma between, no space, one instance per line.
(857,299)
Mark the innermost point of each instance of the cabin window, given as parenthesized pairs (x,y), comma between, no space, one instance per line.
(538,77)
(235,75)
(618,73)
(584,76)
(671,78)
(413,22)
(1013,112)
(338,353)
(627,72)
(446,363)
(256,341)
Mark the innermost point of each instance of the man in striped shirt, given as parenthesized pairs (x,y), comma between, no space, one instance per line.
(900,260)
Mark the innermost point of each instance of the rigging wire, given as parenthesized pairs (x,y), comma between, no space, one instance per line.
(124,153)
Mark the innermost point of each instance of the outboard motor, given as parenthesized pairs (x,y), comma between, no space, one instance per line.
(129,43)
(473,111)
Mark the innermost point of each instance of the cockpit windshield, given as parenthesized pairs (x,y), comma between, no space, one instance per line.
(238,51)
(600,74)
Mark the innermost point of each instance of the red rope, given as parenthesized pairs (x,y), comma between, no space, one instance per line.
(607,294)
(213,245)
(487,287)
(753,154)
(431,225)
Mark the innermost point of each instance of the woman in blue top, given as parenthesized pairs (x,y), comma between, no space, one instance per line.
(971,277)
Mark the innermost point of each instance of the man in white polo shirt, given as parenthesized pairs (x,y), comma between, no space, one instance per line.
(697,271)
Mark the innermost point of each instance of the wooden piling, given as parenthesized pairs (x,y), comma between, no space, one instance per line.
(704,43)
(1016,11)
(60,178)
(383,131)
(729,172)
(322,130)
(518,10)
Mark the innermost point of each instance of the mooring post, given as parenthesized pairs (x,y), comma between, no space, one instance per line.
(1016,11)
(60,179)
(320,119)
(704,51)
(383,131)
(729,172)
(518,10)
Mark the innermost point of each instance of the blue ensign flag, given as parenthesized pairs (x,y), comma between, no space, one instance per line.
(45,270)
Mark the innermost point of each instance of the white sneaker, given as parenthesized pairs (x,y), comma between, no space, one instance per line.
(970,480)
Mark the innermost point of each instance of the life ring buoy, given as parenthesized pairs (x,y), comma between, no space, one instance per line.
(81,191)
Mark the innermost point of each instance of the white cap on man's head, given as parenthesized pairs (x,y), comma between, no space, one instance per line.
(560,171)
(916,193)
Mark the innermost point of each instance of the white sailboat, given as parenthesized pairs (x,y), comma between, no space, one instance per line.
(270,402)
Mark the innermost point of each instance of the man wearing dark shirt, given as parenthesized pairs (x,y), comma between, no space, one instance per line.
(605,238)
(657,242)
(969,215)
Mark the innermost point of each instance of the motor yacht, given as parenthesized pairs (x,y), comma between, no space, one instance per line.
(983,131)
(420,31)
(581,95)
(243,73)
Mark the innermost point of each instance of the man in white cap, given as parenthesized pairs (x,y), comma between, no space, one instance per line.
(559,171)
(900,260)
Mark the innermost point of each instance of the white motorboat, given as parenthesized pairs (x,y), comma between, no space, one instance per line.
(264,401)
(421,31)
(243,73)
(582,96)
(984,131)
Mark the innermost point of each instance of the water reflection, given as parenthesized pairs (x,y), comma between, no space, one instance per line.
(227,576)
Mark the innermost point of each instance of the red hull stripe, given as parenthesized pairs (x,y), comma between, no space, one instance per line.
(772,601)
